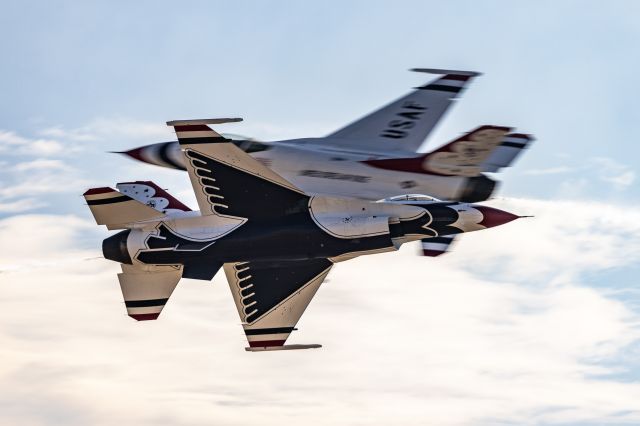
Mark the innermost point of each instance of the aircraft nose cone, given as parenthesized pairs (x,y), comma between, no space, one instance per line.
(494,217)
(135,153)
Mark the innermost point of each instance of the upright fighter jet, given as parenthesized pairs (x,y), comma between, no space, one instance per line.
(275,242)
(376,156)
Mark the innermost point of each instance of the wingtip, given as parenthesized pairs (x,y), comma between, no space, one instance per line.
(492,127)
(446,71)
(145,317)
(282,347)
(97,191)
(529,137)
(203,121)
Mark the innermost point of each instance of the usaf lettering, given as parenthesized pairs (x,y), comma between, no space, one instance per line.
(410,114)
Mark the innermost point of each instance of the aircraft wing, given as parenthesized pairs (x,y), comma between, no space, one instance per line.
(272,296)
(403,125)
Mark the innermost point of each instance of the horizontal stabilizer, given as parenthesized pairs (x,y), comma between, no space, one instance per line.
(505,154)
(152,195)
(117,210)
(145,291)
(463,156)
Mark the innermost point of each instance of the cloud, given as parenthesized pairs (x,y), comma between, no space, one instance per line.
(17,206)
(41,178)
(14,144)
(74,134)
(104,128)
(40,164)
(614,172)
(622,180)
(563,239)
(37,172)
(583,178)
(407,339)
(34,180)
(41,239)
(548,171)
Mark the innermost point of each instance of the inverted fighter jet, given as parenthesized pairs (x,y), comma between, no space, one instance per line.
(275,242)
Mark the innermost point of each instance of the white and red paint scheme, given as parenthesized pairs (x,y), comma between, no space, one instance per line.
(376,156)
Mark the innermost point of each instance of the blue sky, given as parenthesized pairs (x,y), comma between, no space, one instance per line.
(80,79)
(563,71)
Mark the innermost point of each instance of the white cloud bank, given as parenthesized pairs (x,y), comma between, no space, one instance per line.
(407,340)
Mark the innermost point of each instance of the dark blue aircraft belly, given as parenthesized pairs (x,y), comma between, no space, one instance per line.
(294,238)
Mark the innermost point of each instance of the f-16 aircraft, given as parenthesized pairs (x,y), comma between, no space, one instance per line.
(275,242)
(376,156)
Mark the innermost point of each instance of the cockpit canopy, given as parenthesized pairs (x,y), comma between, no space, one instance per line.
(411,197)
(246,144)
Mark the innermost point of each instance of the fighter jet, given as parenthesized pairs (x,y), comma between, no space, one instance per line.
(376,156)
(275,242)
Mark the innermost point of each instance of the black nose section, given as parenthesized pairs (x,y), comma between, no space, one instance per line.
(478,188)
(115,247)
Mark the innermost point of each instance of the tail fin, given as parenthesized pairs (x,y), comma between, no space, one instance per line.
(404,124)
(505,154)
(463,156)
(116,210)
(230,183)
(152,195)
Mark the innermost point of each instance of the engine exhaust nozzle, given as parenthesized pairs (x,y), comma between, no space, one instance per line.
(115,247)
